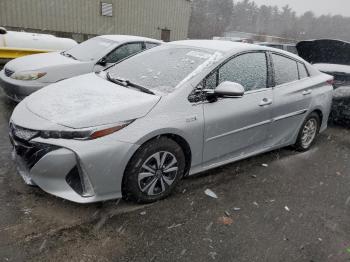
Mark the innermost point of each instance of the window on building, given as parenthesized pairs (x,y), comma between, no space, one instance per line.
(106,9)
(286,69)
(249,70)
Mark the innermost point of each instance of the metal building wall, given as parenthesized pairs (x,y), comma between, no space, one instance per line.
(136,17)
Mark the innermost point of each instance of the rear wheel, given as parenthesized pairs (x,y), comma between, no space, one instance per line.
(154,171)
(308,132)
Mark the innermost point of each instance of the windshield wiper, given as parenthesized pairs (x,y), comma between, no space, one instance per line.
(126,83)
(68,55)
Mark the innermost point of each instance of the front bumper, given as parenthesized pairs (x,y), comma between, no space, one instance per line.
(79,171)
(17,90)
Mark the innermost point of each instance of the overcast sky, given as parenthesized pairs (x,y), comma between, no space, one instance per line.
(319,7)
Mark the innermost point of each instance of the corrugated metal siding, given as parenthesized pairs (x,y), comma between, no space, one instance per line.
(137,17)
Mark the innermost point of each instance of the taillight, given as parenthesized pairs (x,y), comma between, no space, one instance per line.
(331,82)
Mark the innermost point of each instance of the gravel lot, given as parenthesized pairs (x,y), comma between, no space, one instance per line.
(294,208)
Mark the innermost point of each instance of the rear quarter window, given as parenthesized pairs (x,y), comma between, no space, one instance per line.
(302,71)
(286,69)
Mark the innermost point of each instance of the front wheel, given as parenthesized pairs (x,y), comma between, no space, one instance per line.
(154,171)
(308,132)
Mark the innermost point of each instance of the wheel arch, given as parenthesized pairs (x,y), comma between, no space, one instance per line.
(178,137)
(175,136)
(320,114)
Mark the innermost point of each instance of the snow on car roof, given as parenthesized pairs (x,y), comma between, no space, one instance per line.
(225,46)
(218,45)
(229,47)
(127,38)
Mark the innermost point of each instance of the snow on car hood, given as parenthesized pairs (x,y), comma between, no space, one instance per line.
(39,61)
(89,100)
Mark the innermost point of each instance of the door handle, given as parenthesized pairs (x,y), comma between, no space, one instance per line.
(307,92)
(265,102)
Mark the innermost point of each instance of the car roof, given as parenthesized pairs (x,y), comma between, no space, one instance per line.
(230,47)
(216,45)
(129,38)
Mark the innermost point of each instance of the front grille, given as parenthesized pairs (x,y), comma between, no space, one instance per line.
(8,72)
(23,134)
(30,152)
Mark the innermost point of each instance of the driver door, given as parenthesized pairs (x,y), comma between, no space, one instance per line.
(237,127)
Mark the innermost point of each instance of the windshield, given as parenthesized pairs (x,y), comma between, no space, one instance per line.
(90,50)
(162,68)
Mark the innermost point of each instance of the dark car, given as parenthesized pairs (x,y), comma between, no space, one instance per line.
(332,57)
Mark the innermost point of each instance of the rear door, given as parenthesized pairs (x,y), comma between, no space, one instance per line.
(238,126)
(292,98)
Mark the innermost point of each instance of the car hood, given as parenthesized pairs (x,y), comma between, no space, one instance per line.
(39,61)
(89,100)
(325,51)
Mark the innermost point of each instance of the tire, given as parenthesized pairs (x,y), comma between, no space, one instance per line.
(146,178)
(304,144)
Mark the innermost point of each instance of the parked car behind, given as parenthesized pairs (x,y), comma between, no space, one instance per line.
(332,57)
(137,128)
(25,75)
(34,41)
(287,47)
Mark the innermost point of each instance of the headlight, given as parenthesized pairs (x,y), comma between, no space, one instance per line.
(27,75)
(85,134)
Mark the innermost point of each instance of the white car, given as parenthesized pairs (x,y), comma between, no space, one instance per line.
(25,75)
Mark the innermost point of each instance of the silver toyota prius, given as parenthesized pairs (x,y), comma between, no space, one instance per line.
(135,129)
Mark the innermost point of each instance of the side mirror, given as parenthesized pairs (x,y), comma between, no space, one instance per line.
(102,62)
(229,89)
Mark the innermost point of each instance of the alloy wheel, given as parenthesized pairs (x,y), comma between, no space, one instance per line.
(157,173)
(309,132)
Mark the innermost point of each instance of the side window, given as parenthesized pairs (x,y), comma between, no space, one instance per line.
(302,71)
(210,81)
(150,45)
(134,48)
(286,69)
(123,51)
(249,70)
